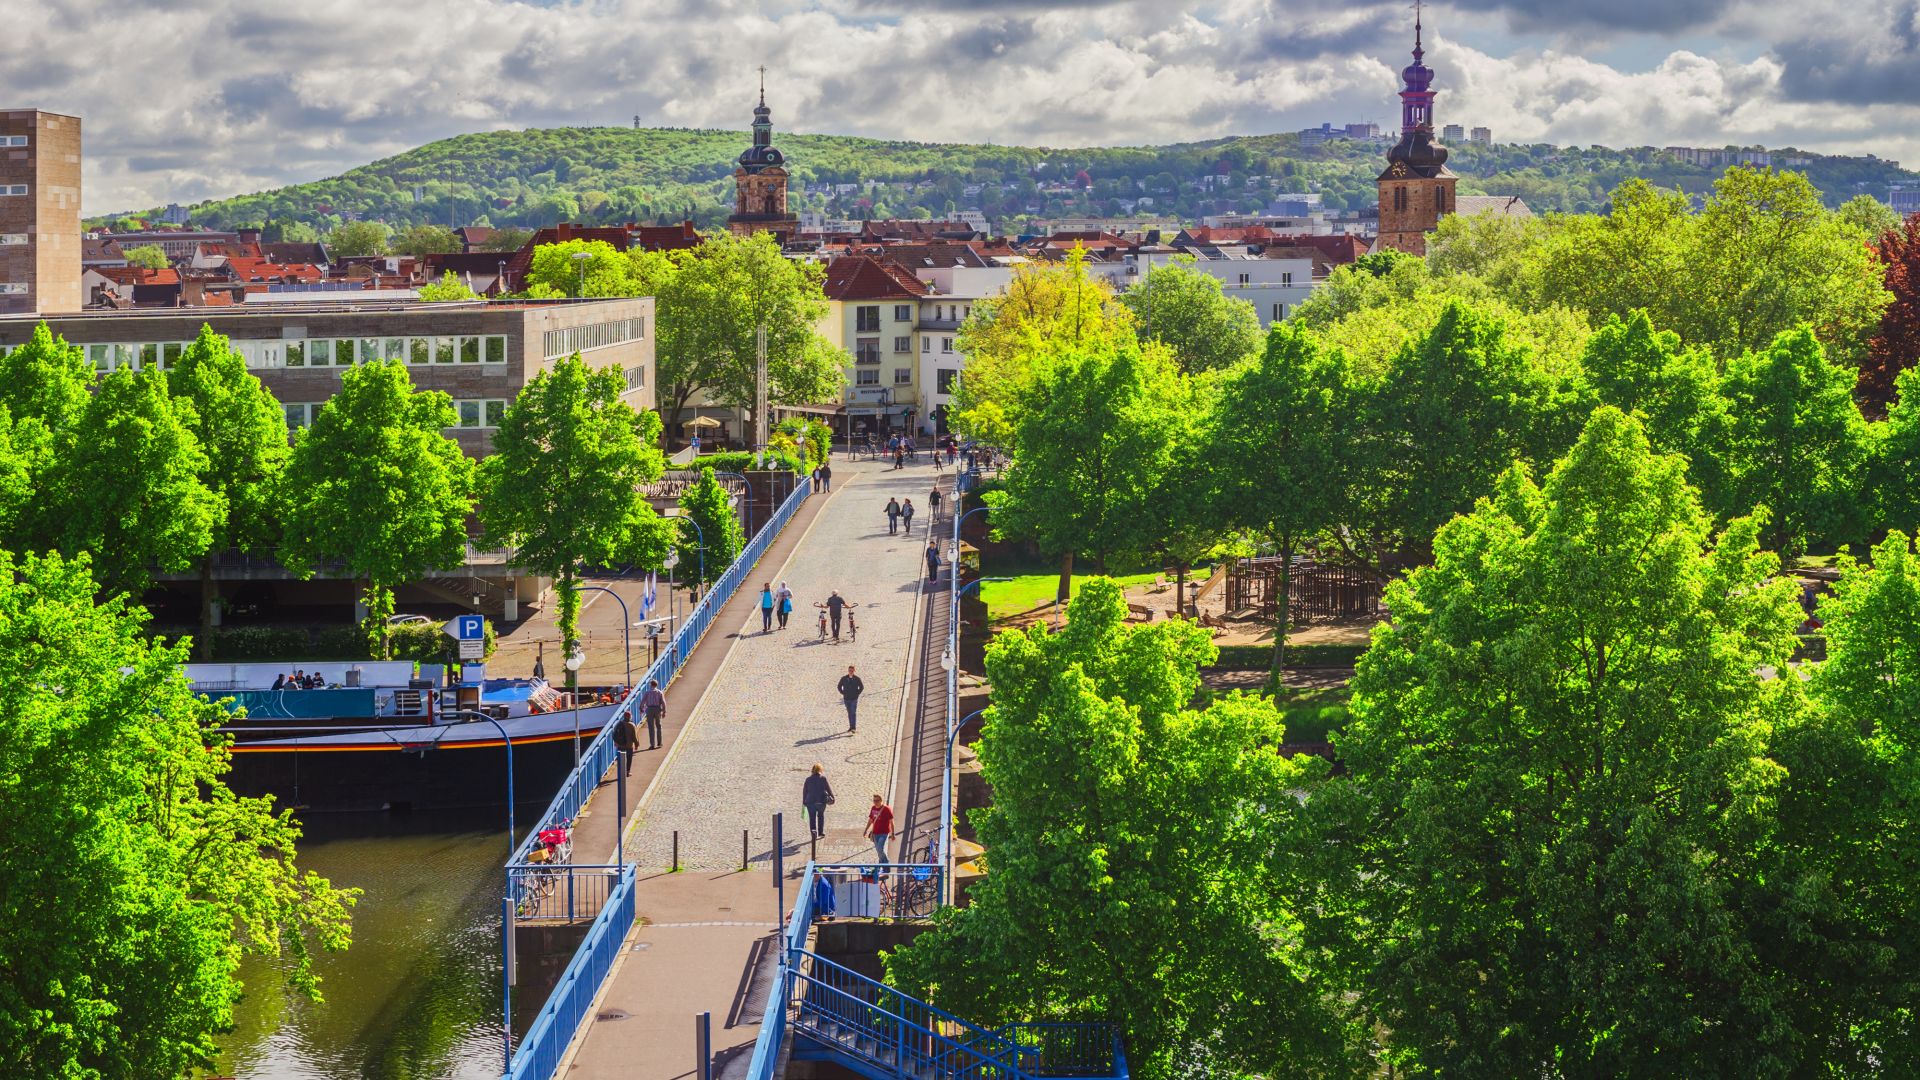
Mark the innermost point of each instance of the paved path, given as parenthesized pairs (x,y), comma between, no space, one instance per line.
(767,714)
(773,711)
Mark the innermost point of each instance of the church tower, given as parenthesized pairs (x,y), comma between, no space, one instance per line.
(1416,190)
(760,181)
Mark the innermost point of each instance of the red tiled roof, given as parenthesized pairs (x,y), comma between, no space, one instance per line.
(260,270)
(137,275)
(664,237)
(863,277)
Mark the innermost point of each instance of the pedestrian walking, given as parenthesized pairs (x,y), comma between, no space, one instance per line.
(816,795)
(850,690)
(836,605)
(893,517)
(899,456)
(880,827)
(826,476)
(653,705)
(933,561)
(766,608)
(906,517)
(933,504)
(783,600)
(626,739)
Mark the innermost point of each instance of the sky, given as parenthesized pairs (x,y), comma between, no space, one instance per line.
(185,100)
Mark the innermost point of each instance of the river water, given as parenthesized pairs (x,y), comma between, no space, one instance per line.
(417,996)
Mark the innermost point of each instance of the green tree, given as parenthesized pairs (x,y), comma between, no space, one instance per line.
(148,256)
(562,486)
(1893,473)
(601,270)
(1186,311)
(711,302)
(504,240)
(1096,425)
(375,486)
(359,238)
(1795,443)
(132,488)
(242,432)
(420,240)
(1145,857)
(1281,451)
(45,389)
(1868,217)
(1558,786)
(285,231)
(713,539)
(449,287)
(1675,390)
(135,879)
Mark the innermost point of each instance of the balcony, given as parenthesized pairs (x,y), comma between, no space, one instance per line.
(940,322)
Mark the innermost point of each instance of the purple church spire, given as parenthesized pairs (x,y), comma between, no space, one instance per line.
(1416,101)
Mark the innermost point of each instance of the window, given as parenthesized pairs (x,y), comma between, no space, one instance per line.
(395,349)
(496,411)
(866,378)
(101,356)
(903,313)
(867,318)
(13,286)
(866,351)
(943,380)
(296,353)
(469,350)
(370,350)
(1400,198)
(946,344)
(926,344)
(1286,278)
(123,355)
(903,344)
(469,413)
(1439,198)
(9,238)
(443,348)
(496,351)
(13,189)
(150,355)
(299,413)
(1245,278)
(14,140)
(419,350)
(902,376)
(573,339)
(1279,312)
(343,352)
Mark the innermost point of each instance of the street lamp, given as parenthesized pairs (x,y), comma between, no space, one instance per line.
(626,641)
(574,660)
(580,259)
(506,902)
(749,486)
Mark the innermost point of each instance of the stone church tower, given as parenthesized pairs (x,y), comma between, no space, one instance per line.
(760,181)
(1416,190)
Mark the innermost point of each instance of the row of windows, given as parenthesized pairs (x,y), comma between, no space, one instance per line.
(946,344)
(573,339)
(901,377)
(313,352)
(473,412)
(13,189)
(13,287)
(1286,278)
(13,140)
(867,317)
(1400,198)
(12,238)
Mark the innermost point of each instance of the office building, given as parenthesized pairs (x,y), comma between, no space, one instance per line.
(39,212)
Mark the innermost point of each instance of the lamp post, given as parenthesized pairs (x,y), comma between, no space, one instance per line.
(574,660)
(626,641)
(506,903)
(580,259)
(749,486)
(946,810)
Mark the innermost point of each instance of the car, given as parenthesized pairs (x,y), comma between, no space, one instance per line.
(407,620)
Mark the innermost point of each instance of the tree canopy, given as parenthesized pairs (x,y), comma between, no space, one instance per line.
(449,287)
(710,534)
(149,256)
(1185,310)
(359,238)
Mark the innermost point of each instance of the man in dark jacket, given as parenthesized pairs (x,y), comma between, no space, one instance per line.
(933,560)
(850,688)
(815,794)
(626,739)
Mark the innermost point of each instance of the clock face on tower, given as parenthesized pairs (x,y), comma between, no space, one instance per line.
(1399,169)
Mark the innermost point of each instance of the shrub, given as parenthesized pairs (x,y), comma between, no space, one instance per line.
(339,643)
(814,435)
(238,643)
(428,643)
(743,460)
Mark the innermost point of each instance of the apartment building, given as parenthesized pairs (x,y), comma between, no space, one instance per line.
(39,212)
(873,312)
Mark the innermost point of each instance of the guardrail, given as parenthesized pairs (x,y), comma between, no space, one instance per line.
(538,1055)
(560,892)
(553,1030)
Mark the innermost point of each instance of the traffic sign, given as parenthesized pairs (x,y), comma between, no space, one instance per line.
(473,650)
(465,628)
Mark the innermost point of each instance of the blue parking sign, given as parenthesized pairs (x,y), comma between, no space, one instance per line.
(468,628)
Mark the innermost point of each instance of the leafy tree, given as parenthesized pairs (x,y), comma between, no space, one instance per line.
(1281,451)
(1869,217)
(1896,345)
(562,486)
(1795,443)
(1095,426)
(449,287)
(1893,473)
(132,488)
(135,878)
(1045,309)
(420,240)
(44,392)
(359,238)
(1186,311)
(282,231)
(242,432)
(713,539)
(602,271)
(710,303)
(49,381)
(148,256)
(1676,391)
(1558,790)
(1145,857)
(504,240)
(375,486)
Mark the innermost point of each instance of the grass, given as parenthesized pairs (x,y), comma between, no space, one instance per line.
(1023,593)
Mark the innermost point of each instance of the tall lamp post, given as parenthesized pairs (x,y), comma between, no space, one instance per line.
(626,641)
(580,259)
(679,513)
(506,902)
(575,659)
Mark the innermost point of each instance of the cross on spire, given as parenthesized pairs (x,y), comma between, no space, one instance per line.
(1416,29)
(763,84)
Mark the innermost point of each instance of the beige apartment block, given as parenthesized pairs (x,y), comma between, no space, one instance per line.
(39,212)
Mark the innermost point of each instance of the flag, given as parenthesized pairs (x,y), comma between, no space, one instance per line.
(648,599)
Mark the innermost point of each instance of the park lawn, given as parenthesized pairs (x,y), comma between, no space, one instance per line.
(1024,592)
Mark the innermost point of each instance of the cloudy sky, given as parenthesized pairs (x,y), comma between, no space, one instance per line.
(190,99)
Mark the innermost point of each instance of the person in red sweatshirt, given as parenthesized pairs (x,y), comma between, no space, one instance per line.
(880,826)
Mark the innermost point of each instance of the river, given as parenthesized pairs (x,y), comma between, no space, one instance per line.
(417,996)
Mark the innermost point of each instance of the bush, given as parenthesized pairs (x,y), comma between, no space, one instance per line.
(814,435)
(743,460)
(428,643)
(238,643)
(339,643)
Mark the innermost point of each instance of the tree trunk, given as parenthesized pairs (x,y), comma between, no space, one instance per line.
(1065,591)
(1283,603)
(569,620)
(209,593)
(1180,590)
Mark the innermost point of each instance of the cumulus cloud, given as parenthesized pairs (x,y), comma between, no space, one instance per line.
(183,102)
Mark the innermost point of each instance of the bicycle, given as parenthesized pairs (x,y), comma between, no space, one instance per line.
(554,850)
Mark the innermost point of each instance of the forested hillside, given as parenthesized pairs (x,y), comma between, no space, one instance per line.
(598,175)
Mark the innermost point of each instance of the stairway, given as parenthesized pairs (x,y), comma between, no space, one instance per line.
(875,1030)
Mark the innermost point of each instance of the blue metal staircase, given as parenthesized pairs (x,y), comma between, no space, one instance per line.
(842,1016)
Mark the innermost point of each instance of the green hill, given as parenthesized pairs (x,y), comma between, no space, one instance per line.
(604,175)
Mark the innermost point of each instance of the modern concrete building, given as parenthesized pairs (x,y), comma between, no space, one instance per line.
(39,212)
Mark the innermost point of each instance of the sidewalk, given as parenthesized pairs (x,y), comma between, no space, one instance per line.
(768,714)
